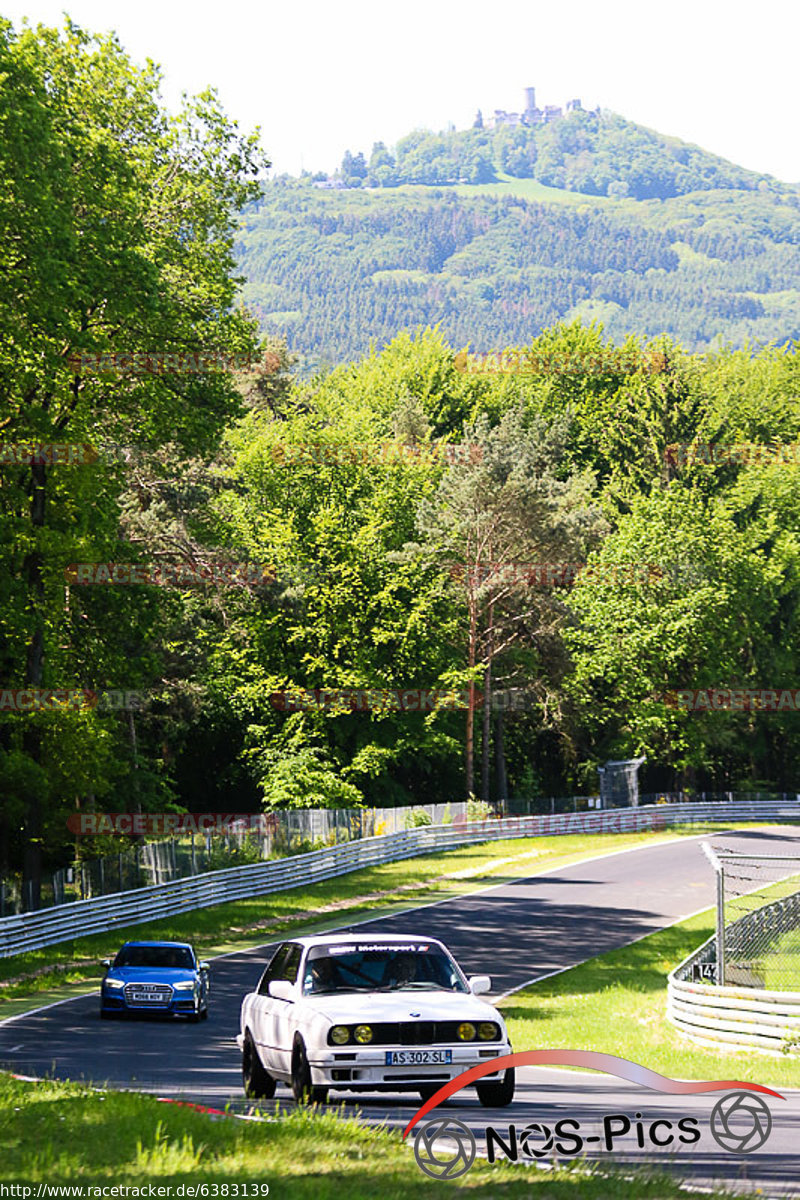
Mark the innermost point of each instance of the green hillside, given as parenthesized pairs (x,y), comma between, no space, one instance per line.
(335,270)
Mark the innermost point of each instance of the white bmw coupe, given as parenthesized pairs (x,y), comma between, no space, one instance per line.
(367,1013)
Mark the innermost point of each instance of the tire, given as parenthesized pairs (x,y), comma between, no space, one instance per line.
(257,1083)
(204,1013)
(303,1090)
(105,1015)
(497,1095)
(427,1091)
(194,1017)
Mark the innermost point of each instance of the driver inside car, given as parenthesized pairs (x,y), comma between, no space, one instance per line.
(403,970)
(323,976)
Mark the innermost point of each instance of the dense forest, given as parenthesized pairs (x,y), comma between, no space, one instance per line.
(336,271)
(388,518)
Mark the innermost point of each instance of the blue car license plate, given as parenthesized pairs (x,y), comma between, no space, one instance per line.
(418,1058)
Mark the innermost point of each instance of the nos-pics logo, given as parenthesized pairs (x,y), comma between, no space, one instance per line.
(445,1148)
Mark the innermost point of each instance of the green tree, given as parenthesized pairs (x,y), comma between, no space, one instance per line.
(490,519)
(117,225)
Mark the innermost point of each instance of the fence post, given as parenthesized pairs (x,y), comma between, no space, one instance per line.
(721,927)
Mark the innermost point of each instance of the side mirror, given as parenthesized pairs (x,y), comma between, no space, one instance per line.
(106,963)
(281,989)
(203,966)
(479,985)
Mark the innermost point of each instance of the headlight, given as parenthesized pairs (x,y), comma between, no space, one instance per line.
(363,1034)
(185,985)
(113,983)
(488,1031)
(340,1034)
(466,1031)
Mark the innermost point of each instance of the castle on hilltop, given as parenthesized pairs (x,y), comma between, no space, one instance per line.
(531,114)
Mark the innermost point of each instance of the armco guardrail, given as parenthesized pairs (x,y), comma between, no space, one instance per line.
(732,1017)
(740,1016)
(30,931)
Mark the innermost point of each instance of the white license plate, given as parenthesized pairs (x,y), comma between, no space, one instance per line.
(146,997)
(417,1058)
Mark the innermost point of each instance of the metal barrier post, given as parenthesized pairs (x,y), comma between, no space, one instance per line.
(721,926)
(719,870)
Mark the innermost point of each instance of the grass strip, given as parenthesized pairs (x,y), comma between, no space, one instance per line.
(617,1003)
(63,1133)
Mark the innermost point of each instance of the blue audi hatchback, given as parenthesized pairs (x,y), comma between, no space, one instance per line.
(155,977)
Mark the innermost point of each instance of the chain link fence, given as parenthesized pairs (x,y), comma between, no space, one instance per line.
(758,920)
(281,834)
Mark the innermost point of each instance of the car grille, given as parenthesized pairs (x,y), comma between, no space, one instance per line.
(415,1033)
(156,994)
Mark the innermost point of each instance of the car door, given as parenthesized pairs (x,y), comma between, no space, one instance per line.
(284,1015)
(261,1010)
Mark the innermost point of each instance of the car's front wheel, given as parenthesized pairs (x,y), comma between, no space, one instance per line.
(258,1084)
(428,1090)
(302,1088)
(497,1095)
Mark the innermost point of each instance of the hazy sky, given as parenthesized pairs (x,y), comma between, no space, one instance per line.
(321,78)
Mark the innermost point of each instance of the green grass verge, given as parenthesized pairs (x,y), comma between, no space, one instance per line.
(43,974)
(780,968)
(61,1133)
(616,1003)
(530,189)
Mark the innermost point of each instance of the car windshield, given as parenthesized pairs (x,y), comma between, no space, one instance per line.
(371,967)
(178,957)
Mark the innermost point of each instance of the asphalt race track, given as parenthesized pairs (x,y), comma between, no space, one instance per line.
(516,931)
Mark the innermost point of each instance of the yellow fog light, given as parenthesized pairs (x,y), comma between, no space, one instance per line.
(340,1034)
(487,1031)
(466,1031)
(363,1034)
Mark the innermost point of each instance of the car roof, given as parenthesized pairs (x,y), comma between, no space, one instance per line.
(355,935)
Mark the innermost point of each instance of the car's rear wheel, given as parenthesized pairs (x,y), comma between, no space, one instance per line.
(497,1095)
(258,1084)
(302,1088)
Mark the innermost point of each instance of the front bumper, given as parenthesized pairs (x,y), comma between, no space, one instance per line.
(366,1069)
(181,1004)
